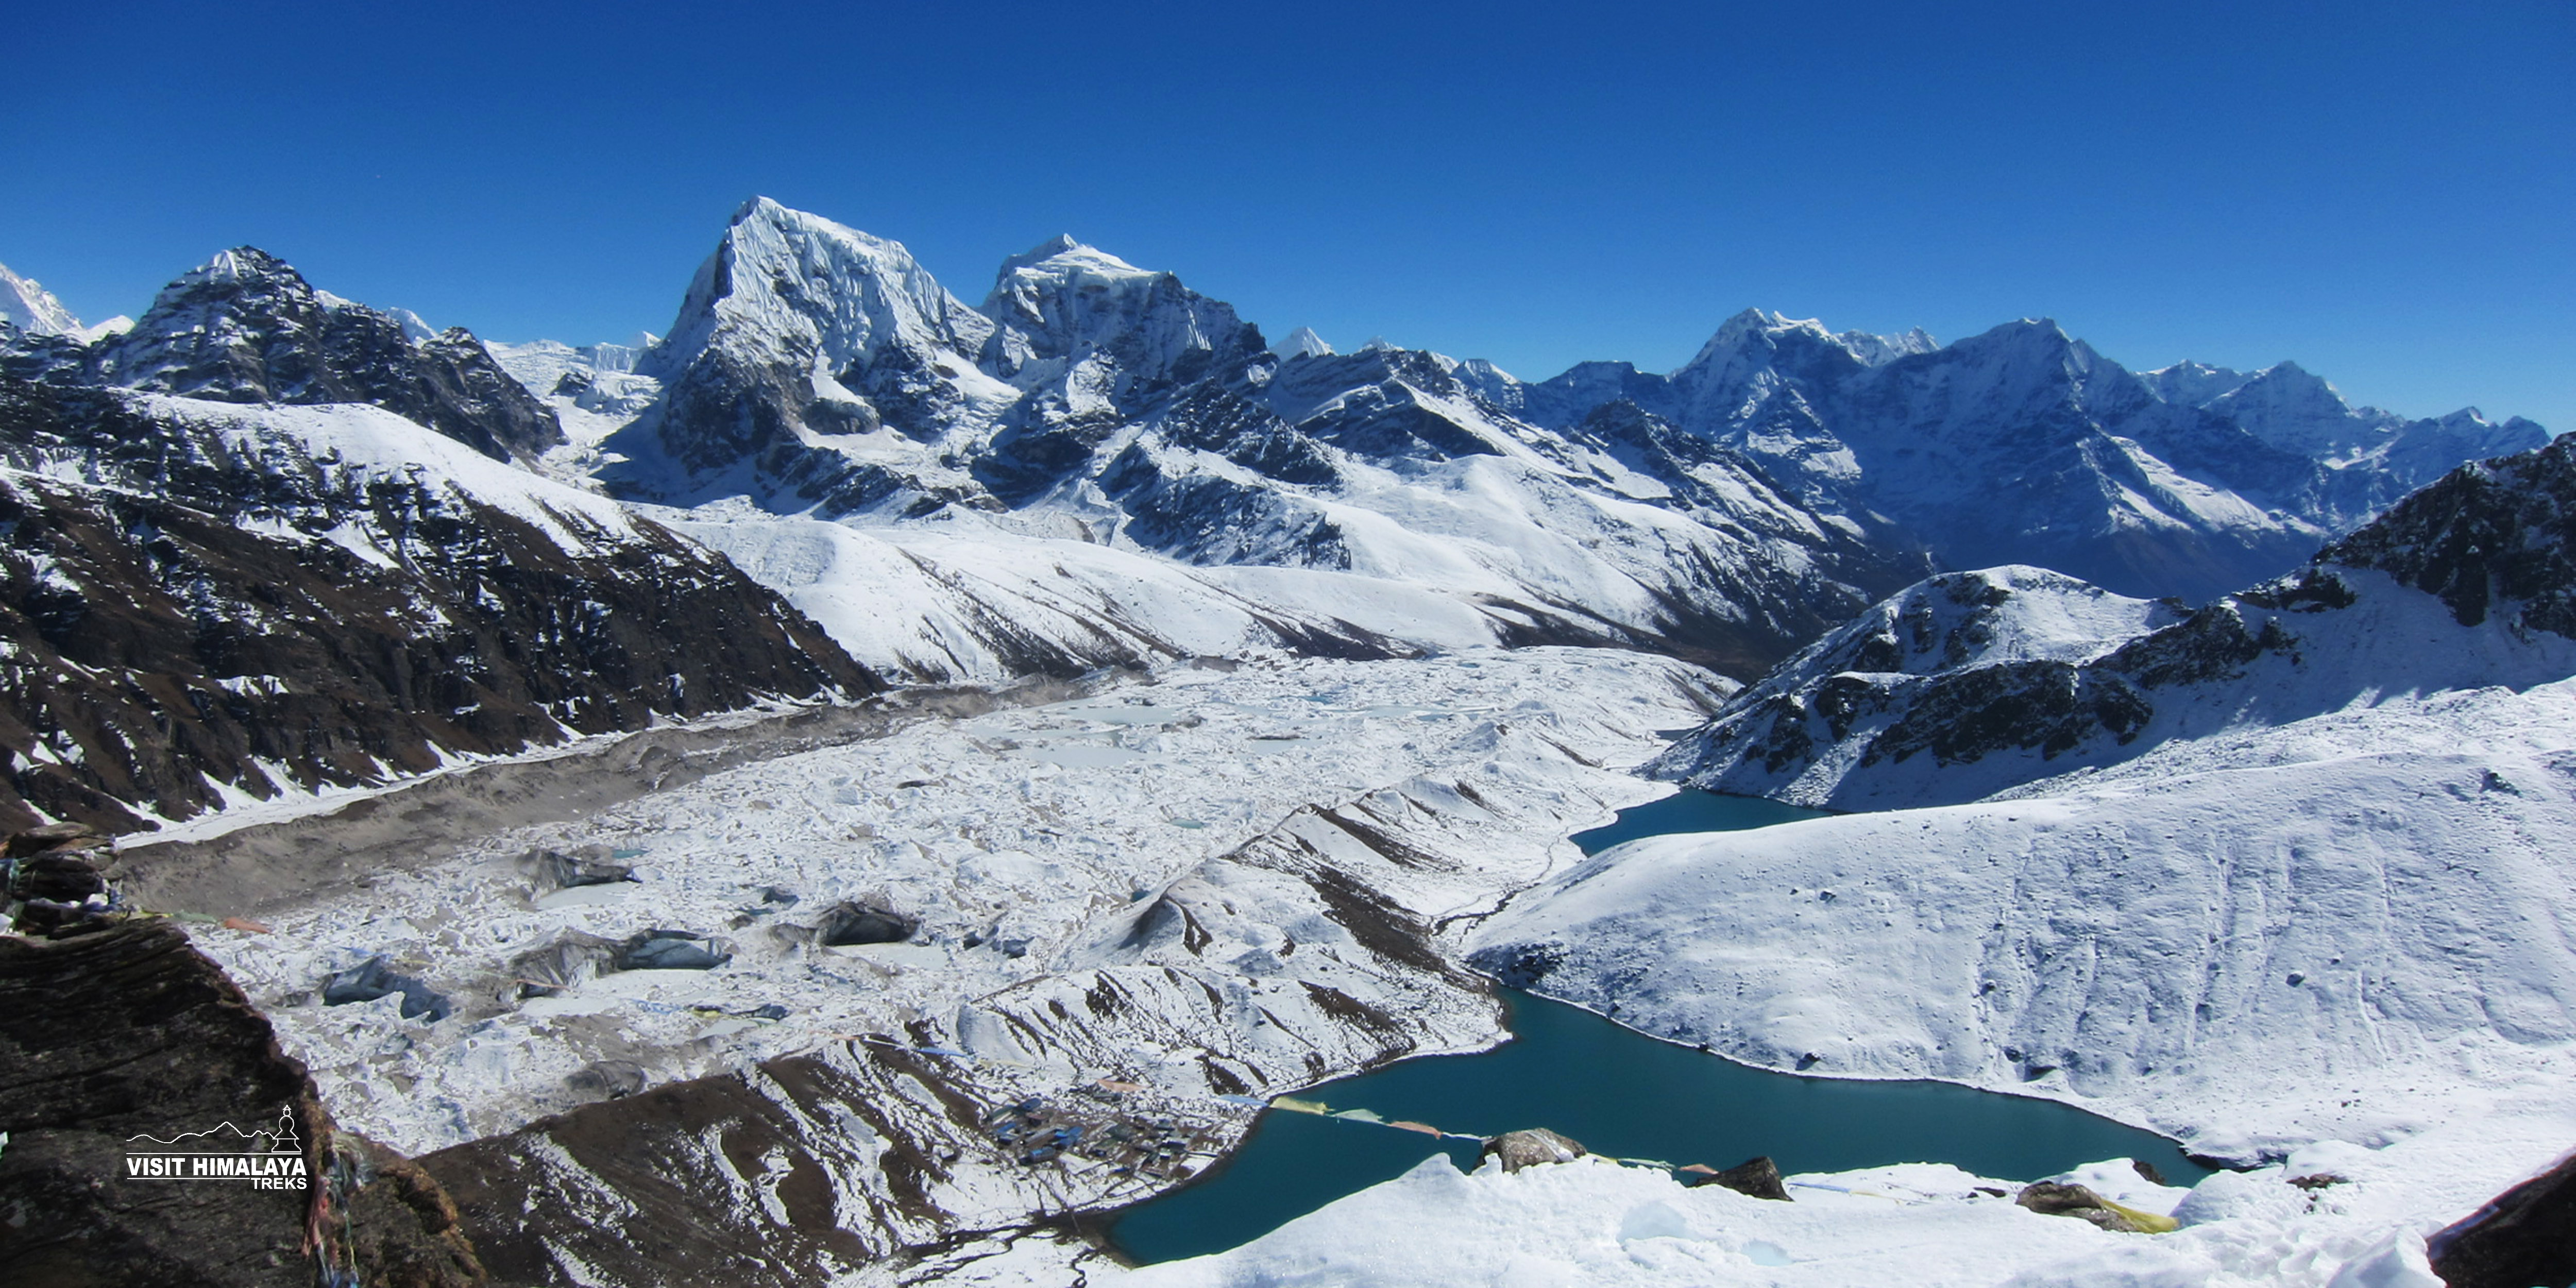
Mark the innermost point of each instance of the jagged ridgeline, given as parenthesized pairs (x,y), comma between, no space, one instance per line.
(816,366)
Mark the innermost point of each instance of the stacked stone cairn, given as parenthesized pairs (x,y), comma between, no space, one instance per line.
(54,880)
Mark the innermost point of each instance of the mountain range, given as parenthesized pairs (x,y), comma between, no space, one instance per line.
(1096,466)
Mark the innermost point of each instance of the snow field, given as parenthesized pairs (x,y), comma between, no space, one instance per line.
(2343,942)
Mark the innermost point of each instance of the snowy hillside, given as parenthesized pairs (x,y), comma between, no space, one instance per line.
(2286,875)
(1924,1225)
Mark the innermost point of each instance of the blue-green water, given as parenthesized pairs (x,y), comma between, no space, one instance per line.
(1623,1094)
(1690,811)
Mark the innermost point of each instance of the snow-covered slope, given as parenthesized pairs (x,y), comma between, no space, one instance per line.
(1591,1222)
(984,604)
(26,305)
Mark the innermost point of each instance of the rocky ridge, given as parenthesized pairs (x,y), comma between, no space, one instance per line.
(213,602)
(118,1039)
(246,328)
(1972,683)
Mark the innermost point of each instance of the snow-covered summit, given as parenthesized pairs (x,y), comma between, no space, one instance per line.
(2376,456)
(789,285)
(794,332)
(1878,350)
(816,368)
(246,327)
(1064,302)
(2193,384)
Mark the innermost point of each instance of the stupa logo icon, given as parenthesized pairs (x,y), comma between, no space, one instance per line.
(269,1157)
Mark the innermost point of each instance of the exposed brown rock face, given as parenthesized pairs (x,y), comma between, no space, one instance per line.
(629,1190)
(159,644)
(2525,1236)
(126,1030)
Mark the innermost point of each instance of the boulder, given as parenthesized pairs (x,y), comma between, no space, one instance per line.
(670,950)
(560,961)
(1757,1176)
(2053,1198)
(62,876)
(376,978)
(52,875)
(1531,1146)
(607,1079)
(2524,1236)
(589,865)
(37,840)
(857,923)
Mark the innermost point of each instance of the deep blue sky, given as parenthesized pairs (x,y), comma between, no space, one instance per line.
(2385,192)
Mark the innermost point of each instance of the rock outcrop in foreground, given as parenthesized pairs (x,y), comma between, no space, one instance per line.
(119,1042)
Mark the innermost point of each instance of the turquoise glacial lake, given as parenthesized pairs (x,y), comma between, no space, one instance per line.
(1623,1094)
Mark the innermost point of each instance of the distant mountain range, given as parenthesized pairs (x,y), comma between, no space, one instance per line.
(831,470)
(813,366)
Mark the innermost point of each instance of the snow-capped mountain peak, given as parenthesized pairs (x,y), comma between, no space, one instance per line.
(1064,302)
(231,267)
(1303,343)
(2287,407)
(1055,256)
(1749,329)
(799,326)
(783,282)
(28,306)
(1879,350)
(415,328)
(245,327)
(2193,384)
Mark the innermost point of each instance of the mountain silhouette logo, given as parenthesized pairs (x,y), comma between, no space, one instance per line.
(268,1157)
